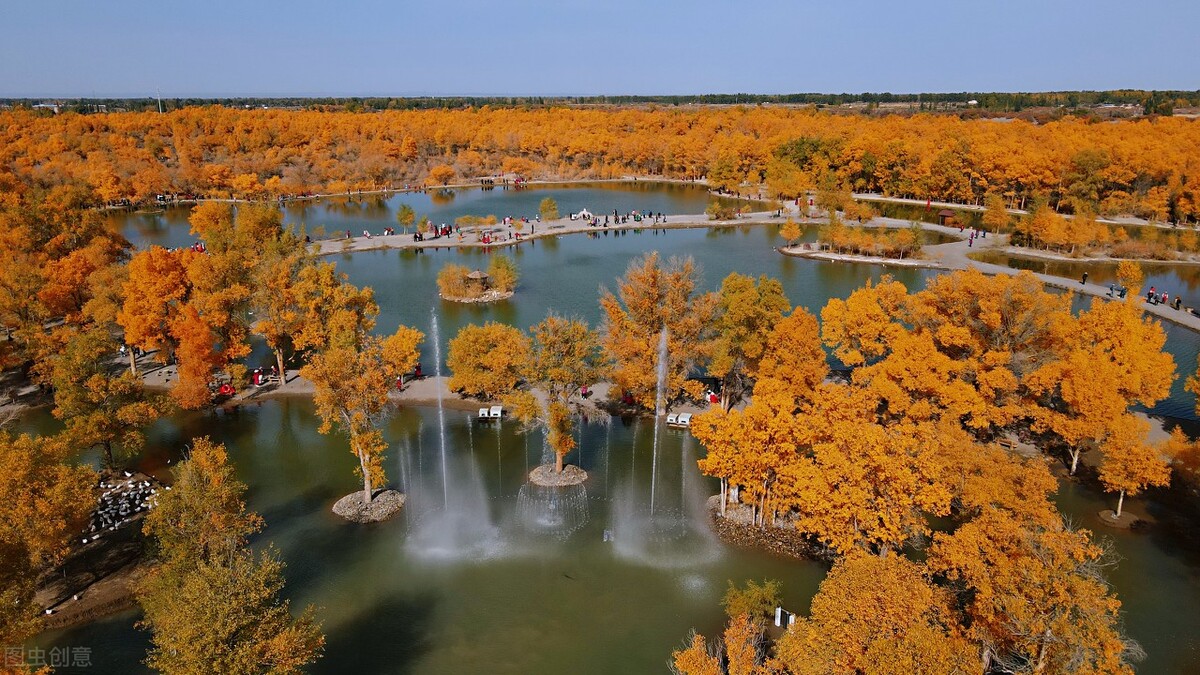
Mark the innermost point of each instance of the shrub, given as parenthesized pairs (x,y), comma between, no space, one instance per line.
(452,282)
(502,273)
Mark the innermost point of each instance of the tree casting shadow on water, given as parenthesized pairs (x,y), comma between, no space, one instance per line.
(389,638)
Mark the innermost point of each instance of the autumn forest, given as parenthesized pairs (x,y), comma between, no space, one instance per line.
(909,440)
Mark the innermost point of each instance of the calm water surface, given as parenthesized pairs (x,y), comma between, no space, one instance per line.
(169,227)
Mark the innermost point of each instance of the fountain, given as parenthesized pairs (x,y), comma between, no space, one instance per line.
(555,509)
(459,525)
(660,389)
(650,529)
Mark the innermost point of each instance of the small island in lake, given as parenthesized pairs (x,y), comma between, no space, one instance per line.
(457,283)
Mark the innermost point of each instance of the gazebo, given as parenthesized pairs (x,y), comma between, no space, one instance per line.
(478,277)
(947,217)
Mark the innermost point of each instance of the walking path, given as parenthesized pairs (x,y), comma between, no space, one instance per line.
(954,256)
(507,235)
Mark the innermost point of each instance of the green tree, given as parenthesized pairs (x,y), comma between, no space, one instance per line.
(211,604)
(503,274)
(746,313)
(405,216)
(98,406)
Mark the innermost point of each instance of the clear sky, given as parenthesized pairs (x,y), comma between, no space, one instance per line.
(580,47)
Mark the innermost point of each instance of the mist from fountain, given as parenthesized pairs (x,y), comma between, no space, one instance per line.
(461,525)
(653,531)
(557,510)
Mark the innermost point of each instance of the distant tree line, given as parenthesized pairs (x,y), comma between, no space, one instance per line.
(1153,102)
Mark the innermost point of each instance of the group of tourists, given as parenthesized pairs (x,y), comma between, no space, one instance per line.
(1155,298)
(624,218)
(975,233)
(263,376)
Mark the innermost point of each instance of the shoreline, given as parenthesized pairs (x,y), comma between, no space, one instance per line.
(159,206)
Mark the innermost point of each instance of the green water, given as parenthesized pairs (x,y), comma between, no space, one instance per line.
(532,602)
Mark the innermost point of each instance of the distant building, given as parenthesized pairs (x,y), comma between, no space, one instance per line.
(46,106)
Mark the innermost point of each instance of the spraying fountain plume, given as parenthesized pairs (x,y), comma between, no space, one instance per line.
(459,524)
(655,531)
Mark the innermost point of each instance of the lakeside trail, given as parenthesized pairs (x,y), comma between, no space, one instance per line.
(954,256)
(508,236)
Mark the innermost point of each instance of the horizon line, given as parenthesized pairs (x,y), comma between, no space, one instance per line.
(212,96)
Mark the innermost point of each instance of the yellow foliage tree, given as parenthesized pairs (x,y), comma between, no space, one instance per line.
(441,174)
(351,394)
(44,501)
(1037,601)
(878,615)
(1129,464)
(652,297)
(503,274)
(790,232)
(746,314)
(487,361)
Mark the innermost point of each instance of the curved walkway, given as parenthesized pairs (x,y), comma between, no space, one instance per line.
(953,256)
(508,236)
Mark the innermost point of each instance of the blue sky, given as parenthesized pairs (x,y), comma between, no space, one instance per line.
(580,47)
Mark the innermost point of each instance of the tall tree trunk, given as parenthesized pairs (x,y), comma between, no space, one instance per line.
(724,494)
(1120,503)
(108,454)
(558,462)
(1074,460)
(1042,648)
(366,473)
(282,372)
(762,509)
(132,362)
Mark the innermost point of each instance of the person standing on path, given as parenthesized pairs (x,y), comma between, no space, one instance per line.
(1084,280)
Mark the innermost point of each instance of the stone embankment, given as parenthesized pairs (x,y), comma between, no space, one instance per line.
(736,528)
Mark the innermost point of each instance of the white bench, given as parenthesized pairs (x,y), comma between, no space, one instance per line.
(682,420)
(483,413)
(496,412)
